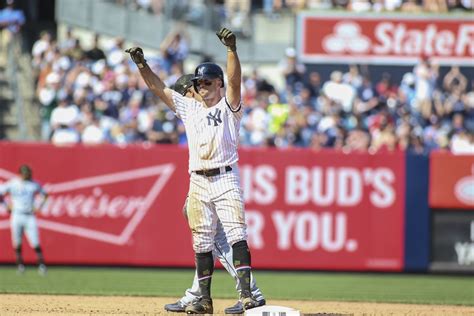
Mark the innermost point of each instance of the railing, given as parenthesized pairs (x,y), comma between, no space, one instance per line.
(106,17)
(13,77)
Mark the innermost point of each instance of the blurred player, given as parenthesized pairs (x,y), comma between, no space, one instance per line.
(22,191)
(212,129)
(222,250)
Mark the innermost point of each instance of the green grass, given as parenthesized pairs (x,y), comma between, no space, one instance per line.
(399,288)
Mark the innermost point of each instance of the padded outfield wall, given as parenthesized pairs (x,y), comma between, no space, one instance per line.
(306,210)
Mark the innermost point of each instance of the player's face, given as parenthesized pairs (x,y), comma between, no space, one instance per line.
(25,174)
(191,93)
(207,88)
(188,93)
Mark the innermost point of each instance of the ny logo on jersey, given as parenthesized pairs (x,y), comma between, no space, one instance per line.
(216,117)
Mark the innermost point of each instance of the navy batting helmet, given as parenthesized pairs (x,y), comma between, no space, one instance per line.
(208,71)
(183,84)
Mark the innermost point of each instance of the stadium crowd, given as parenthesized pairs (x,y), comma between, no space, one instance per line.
(270,6)
(96,95)
(237,13)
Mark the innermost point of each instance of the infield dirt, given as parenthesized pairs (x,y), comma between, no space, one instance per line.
(17,304)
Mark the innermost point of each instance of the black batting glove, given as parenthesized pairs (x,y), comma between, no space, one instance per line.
(136,53)
(227,38)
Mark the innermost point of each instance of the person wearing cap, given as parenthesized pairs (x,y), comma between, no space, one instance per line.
(22,192)
(212,129)
(223,251)
(292,70)
(11,21)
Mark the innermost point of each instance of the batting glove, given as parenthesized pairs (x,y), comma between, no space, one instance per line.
(227,38)
(136,53)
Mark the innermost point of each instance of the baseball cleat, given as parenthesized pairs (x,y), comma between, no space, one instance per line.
(177,307)
(21,269)
(249,303)
(238,308)
(42,270)
(202,306)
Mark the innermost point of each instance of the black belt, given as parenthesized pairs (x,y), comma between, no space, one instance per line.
(213,172)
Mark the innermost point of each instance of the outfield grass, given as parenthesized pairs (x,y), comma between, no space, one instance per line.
(400,288)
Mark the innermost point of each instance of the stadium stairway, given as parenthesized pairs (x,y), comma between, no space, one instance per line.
(8,121)
(19,116)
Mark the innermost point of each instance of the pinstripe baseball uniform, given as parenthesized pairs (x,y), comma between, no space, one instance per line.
(22,194)
(213,135)
(223,252)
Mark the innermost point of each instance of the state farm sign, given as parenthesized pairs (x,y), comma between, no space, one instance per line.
(385,40)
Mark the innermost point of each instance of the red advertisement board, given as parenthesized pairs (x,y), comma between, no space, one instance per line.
(451,181)
(111,205)
(385,39)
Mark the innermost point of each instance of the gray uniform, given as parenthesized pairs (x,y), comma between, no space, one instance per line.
(22,194)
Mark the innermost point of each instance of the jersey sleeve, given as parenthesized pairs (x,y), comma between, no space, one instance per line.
(40,189)
(237,113)
(181,104)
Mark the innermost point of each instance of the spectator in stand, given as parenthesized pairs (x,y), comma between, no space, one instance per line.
(426,76)
(437,6)
(463,5)
(454,79)
(48,98)
(64,119)
(164,128)
(313,85)
(386,88)
(174,49)
(292,70)
(360,5)
(41,45)
(411,6)
(11,22)
(278,114)
(237,14)
(95,53)
(462,143)
(69,41)
(339,92)
(358,140)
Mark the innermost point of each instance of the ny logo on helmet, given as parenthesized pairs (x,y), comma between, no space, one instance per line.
(216,117)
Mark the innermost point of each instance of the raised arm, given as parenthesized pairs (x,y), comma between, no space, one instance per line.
(154,83)
(234,72)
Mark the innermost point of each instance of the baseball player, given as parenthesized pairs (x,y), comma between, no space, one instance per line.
(212,129)
(222,250)
(22,191)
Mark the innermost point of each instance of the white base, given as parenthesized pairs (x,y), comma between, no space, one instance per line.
(271,310)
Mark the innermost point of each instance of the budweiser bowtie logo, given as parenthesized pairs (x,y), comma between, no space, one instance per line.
(80,207)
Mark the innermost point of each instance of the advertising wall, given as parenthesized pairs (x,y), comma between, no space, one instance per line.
(384,39)
(305,210)
(453,240)
(451,181)
(451,199)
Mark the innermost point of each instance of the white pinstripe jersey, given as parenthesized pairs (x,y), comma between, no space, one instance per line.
(212,133)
